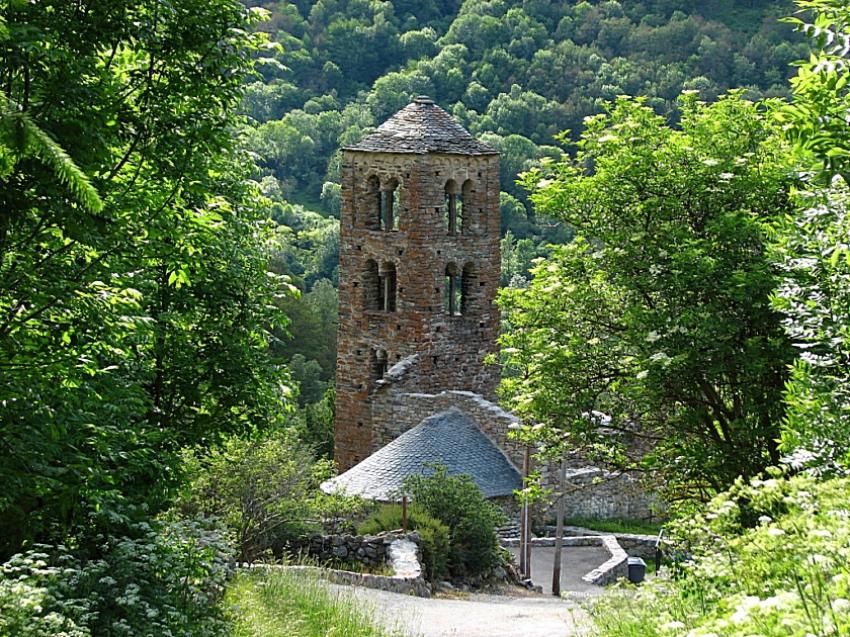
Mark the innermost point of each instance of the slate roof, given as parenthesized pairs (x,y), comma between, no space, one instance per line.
(422,127)
(450,438)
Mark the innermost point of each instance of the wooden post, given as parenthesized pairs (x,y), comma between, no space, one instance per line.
(404,513)
(526,470)
(523,566)
(559,529)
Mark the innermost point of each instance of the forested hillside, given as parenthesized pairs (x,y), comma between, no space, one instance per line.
(515,73)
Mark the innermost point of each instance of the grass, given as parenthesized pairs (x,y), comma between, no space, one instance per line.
(285,603)
(616,525)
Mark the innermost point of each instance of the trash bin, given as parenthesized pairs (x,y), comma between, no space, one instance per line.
(637,570)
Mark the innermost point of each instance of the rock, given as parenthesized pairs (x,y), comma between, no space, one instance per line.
(340,551)
(500,573)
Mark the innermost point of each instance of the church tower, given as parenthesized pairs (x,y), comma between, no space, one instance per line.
(419,266)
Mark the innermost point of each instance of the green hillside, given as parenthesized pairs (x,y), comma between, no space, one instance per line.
(515,73)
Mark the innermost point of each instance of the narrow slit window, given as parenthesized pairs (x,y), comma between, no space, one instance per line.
(452,290)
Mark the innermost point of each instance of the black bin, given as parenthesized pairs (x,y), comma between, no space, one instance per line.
(637,570)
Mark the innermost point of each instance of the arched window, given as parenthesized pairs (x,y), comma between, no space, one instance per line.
(389,285)
(450,207)
(467,287)
(390,206)
(452,291)
(467,194)
(372,288)
(372,199)
(379,364)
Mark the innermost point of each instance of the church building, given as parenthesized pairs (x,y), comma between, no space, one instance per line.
(419,272)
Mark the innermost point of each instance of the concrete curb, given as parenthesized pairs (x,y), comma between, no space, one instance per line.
(608,572)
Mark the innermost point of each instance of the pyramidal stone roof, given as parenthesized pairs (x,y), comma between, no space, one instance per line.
(422,127)
(449,438)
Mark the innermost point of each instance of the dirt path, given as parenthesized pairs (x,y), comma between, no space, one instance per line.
(477,616)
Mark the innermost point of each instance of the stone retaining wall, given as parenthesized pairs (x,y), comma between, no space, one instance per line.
(400,552)
(633,544)
(369,550)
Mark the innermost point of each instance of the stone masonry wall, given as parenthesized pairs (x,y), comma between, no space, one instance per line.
(450,348)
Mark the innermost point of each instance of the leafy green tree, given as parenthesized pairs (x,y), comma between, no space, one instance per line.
(813,249)
(134,321)
(650,340)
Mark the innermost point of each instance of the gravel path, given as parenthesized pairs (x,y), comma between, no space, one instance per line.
(477,616)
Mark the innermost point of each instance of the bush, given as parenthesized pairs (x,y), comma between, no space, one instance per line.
(266,491)
(457,502)
(434,534)
(165,581)
(770,559)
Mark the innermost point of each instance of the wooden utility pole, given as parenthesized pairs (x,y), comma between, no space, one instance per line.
(559,529)
(404,513)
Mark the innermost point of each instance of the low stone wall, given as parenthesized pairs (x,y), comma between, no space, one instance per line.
(615,568)
(400,552)
(369,550)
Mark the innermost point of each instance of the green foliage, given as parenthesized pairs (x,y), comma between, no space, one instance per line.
(457,502)
(20,138)
(513,68)
(163,580)
(264,489)
(615,525)
(650,340)
(134,324)
(813,252)
(294,604)
(435,535)
(769,559)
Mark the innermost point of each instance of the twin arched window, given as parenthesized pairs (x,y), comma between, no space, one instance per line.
(456,218)
(382,204)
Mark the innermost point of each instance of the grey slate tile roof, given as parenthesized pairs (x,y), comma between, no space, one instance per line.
(422,127)
(450,438)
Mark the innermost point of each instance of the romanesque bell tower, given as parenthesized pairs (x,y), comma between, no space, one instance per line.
(419,266)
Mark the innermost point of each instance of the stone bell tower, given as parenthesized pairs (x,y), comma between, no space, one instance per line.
(419,267)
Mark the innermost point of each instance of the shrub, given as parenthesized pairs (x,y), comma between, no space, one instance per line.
(434,534)
(770,559)
(165,580)
(459,504)
(266,491)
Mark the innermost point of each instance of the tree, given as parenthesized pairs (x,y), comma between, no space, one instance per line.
(649,342)
(266,490)
(812,247)
(134,323)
